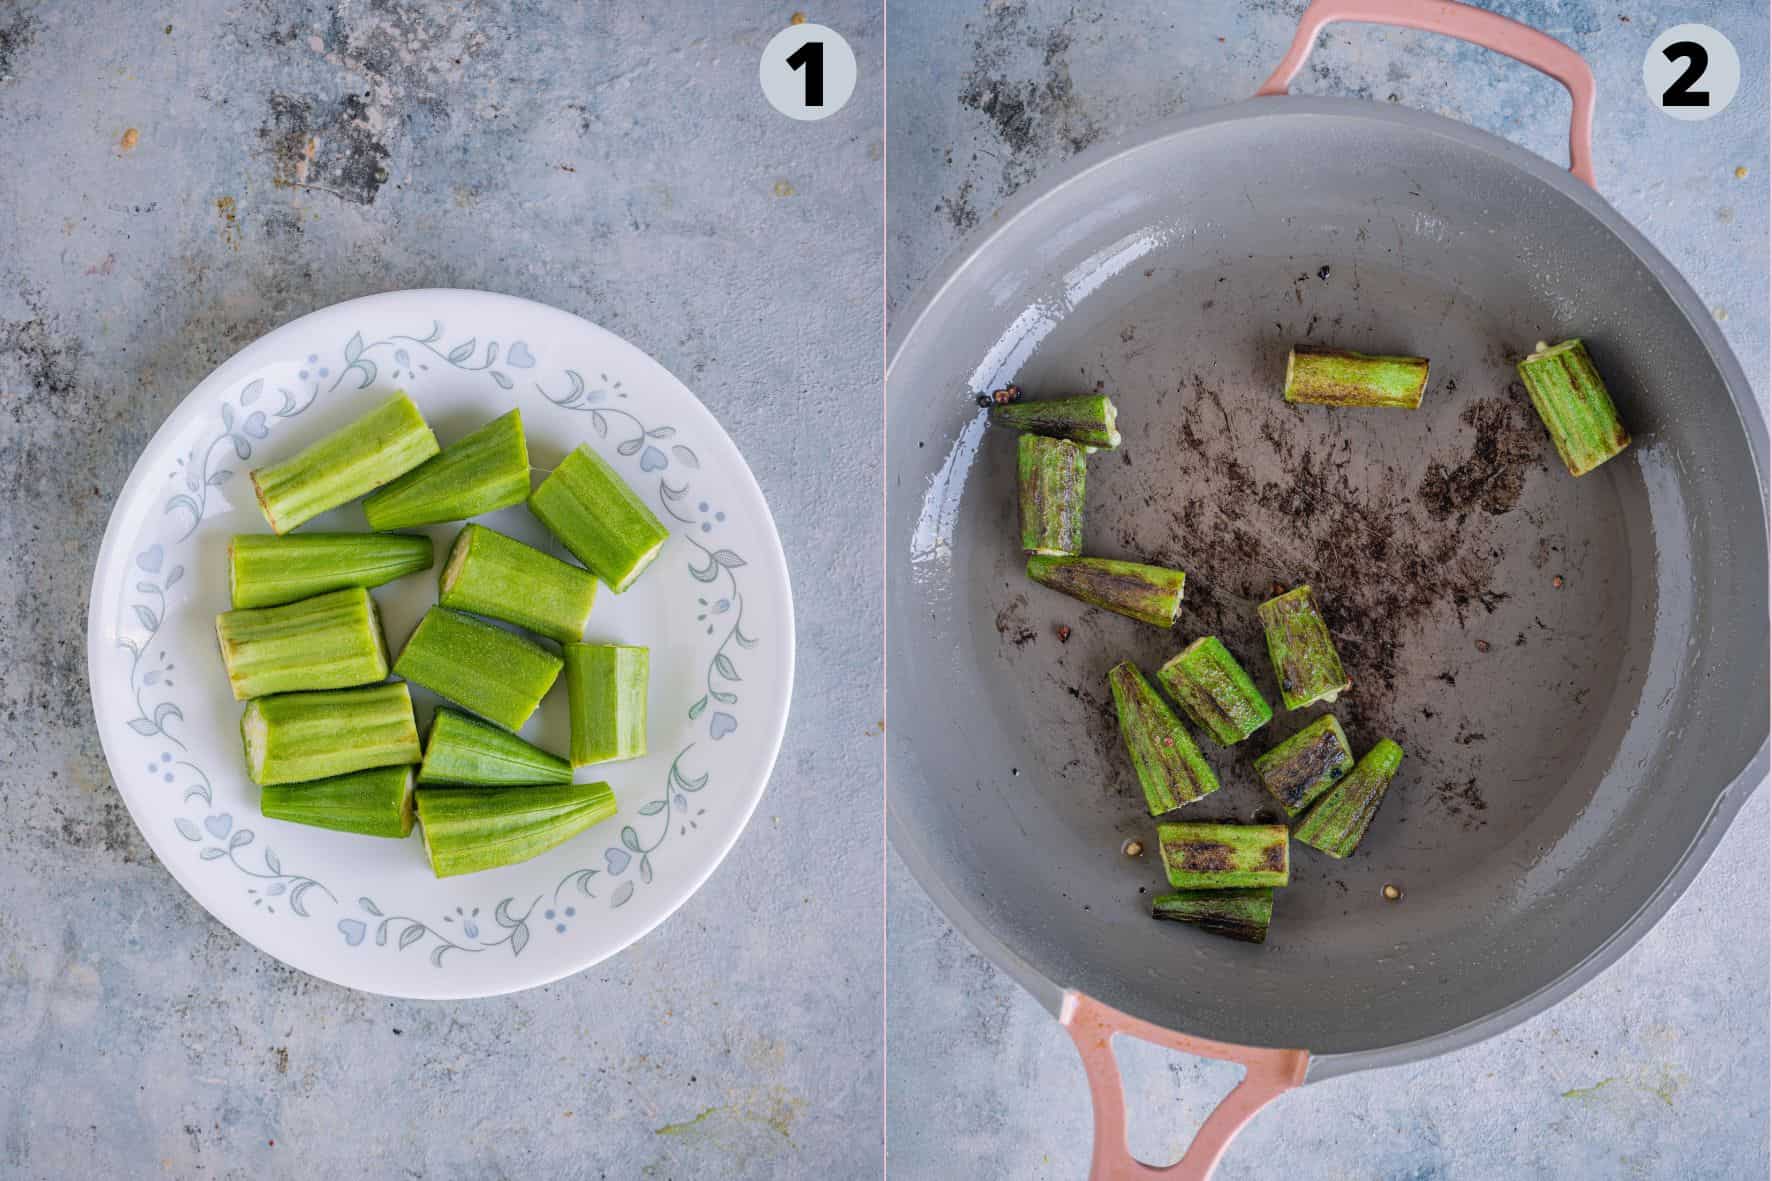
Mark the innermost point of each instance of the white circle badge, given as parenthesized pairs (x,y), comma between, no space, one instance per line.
(1691,72)
(807,72)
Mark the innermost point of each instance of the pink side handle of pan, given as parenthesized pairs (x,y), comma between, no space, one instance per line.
(1268,1074)
(1490,30)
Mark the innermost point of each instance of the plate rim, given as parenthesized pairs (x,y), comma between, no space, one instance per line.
(221,376)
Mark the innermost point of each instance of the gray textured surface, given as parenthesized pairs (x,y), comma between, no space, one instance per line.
(1656,1069)
(620,164)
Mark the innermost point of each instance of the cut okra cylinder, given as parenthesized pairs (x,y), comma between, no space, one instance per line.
(491,574)
(606,694)
(1149,594)
(1212,688)
(483,472)
(384,444)
(466,751)
(1050,475)
(372,803)
(295,737)
(1572,401)
(1305,765)
(1087,419)
(1170,767)
(265,570)
(1225,856)
(1305,661)
(587,505)
(1337,377)
(1235,914)
(478,665)
(331,641)
(468,829)
(1342,817)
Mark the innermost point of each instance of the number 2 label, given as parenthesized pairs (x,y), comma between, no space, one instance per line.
(1691,72)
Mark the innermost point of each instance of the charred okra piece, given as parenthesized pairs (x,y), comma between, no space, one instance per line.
(1149,594)
(606,692)
(1337,377)
(1209,684)
(331,641)
(1569,396)
(295,737)
(1050,474)
(386,443)
(1170,767)
(468,829)
(1225,856)
(1341,818)
(466,751)
(491,574)
(1088,419)
(483,472)
(479,666)
(587,505)
(1305,765)
(1237,914)
(372,803)
(1305,660)
(265,570)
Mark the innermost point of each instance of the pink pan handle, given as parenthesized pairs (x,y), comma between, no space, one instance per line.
(1092,1025)
(1490,30)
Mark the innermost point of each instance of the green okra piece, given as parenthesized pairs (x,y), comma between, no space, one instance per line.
(606,693)
(491,574)
(295,737)
(1305,661)
(1050,475)
(1572,401)
(373,803)
(331,641)
(1305,765)
(1150,594)
(464,750)
(265,570)
(481,473)
(1225,856)
(1237,914)
(468,829)
(478,665)
(1341,818)
(384,444)
(587,505)
(1088,419)
(1337,377)
(1212,688)
(1170,767)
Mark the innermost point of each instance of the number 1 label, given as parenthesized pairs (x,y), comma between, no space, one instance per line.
(807,72)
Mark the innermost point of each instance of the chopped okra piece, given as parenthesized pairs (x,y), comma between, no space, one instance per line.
(1170,767)
(1305,660)
(1209,684)
(1305,765)
(1341,818)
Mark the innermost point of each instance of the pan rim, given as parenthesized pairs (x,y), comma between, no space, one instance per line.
(1730,796)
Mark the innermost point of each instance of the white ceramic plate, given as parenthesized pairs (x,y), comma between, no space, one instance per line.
(714,608)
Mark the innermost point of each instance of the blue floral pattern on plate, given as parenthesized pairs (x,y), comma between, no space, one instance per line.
(657,456)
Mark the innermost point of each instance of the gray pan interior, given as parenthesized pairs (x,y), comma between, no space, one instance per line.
(1573,752)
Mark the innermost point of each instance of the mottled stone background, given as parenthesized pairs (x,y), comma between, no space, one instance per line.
(1656,1069)
(177,179)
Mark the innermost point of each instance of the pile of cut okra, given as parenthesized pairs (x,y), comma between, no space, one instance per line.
(332,742)
(1224,875)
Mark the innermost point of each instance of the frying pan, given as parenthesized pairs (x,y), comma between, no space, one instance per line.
(1574,666)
